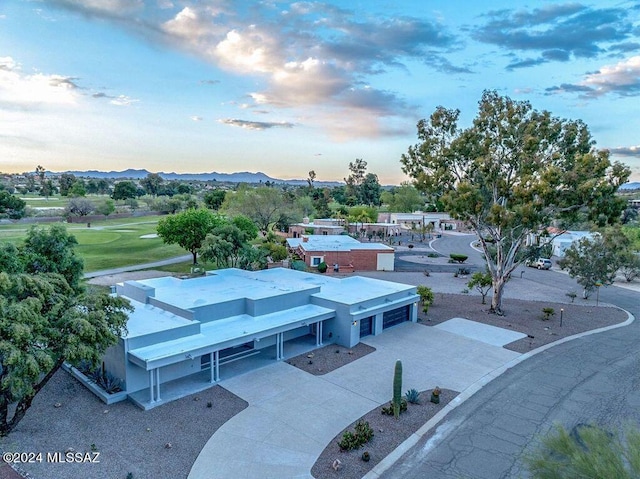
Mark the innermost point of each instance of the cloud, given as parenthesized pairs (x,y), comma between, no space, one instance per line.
(309,54)
(196,118)
(557,32)
(622,79)
(626,151)
(21,90)
(209,82)
(123,100)
(255,125)
(101,7)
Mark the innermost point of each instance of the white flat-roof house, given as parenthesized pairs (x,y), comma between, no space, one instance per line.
(183,333)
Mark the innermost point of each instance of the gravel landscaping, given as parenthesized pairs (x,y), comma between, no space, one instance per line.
(525,317)
(389,433)
(164,442)
(324,360)
(161,443)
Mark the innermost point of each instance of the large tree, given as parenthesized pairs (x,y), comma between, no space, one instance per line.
(595,261)
(152,184)
(124,190)
(11,206)
(47,317)
(51,250)
(188,229)
(265,206)
(511,174)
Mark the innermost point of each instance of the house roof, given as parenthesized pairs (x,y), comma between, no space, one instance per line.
(334,243)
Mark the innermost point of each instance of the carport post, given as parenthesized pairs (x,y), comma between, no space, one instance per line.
(217,376)
(158,384)
(151,387)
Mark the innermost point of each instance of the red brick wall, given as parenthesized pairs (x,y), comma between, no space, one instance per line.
(362,260)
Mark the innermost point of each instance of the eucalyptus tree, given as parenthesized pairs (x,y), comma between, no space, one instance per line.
(512,173)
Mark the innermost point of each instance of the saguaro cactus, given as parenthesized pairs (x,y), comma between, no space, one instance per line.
(397,389)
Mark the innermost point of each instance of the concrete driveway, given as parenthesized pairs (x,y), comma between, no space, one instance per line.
(293,415)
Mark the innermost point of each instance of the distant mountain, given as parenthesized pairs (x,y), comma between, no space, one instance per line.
(240,177)
(631,186)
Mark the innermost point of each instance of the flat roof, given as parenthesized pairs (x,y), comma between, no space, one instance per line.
(217,287)
(334,243)
(147,319)
(231,331)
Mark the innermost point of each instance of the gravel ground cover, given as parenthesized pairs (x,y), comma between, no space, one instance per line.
(525,317)
(389,433)
(324,360)
(161,443)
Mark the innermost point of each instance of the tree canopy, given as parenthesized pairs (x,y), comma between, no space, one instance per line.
(47,317)
(188,229)
(11,206)
(511,173)
(265,206)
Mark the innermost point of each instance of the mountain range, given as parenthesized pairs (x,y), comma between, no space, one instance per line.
(239,177)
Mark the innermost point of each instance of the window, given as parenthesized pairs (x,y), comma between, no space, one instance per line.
(316,260)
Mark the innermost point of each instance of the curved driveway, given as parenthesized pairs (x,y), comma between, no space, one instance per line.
(594,379)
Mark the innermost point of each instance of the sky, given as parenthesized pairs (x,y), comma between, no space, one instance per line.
(288,87)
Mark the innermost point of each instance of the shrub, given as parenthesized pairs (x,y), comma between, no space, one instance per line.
(388,409)
(412,396)
(361,435)
(298,265)
(433,255)
(410,246)
(463,271)
(587,451)
(548,312)
(426,296)
(322,267)
(572,295)
(458,258)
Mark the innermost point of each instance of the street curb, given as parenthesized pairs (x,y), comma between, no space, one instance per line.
(412,440)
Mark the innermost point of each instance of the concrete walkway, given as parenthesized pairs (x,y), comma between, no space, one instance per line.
(293,415)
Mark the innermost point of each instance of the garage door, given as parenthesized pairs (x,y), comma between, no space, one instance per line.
(366,326)
(395,316)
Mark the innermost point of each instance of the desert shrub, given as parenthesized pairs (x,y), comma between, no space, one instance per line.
(298,265)
(426,296)
(322,267)
(388,409)
(412,396)
(458,258)
(361,435)
(547,313)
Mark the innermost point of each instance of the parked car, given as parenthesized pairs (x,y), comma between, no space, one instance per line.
(540,263)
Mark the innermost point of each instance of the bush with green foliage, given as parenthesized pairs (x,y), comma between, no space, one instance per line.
(482,282)
(458,258)
(361,435)
(547,313)
(426,297)
(322,267)
(388,409)
(586,451)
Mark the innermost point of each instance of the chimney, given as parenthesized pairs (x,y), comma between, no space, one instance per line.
(305,239)
(305,220)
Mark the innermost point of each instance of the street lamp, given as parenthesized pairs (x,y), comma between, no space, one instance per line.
(561,313)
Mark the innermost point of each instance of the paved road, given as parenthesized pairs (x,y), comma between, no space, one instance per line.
(594,379)
(138,267)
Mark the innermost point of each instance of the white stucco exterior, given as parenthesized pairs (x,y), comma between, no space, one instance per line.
(193,327)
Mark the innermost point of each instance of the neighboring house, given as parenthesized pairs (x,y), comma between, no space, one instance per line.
(563,241)
(440,221)
(321,226)
(347,253)
(184,333)
(374,229)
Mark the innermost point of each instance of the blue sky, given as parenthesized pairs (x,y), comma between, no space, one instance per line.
(286,87)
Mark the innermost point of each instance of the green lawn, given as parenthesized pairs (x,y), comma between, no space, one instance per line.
(111,243)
